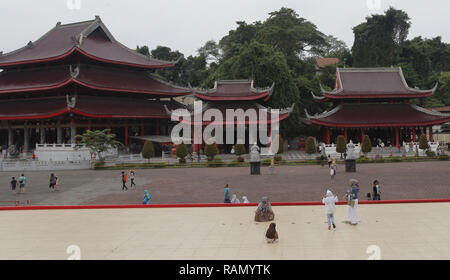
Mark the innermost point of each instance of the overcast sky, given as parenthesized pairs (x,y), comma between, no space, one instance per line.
(186,25)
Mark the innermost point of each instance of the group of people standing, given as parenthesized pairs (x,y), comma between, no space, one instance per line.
(22,181)
(234,198)
(352,204)
(125,179)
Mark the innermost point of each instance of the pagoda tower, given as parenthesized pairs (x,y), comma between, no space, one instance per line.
(374,101)
(236,95)
(78,76)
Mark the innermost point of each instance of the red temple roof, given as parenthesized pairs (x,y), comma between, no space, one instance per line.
(369,83)
(378,115)
(321,62)
(88,106)
(90,38)
(92,77)
(229,90)
(224,106)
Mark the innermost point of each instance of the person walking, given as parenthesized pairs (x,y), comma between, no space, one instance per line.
(22,181)
(352,199)
(56,183)
(132,179)
(52,184)
(227,194)
(245,199)
(376,190)
(124,181)
(330,208)
(13,185)
(333,169)
(329,161)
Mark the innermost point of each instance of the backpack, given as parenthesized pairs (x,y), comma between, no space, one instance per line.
(125,178)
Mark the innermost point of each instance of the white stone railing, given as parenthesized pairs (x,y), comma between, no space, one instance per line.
(37,165)
(433,147)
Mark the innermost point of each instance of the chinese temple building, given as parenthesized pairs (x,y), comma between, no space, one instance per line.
(376,102)
(235,95)
(77,77)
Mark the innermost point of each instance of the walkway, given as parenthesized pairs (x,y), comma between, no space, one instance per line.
(401,231)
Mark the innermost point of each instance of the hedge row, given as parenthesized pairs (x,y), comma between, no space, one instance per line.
(217,162)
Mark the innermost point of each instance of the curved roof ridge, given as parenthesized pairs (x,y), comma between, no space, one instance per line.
(430,112)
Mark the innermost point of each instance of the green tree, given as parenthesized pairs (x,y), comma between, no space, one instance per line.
(290,34)
(98,141)
(310,146)
(366,145)
(148,151)
(378,41)
(341,146)
(211,151)
(423,142)
(182,152)
(239,149)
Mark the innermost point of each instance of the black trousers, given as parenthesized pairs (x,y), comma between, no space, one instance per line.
(124,186)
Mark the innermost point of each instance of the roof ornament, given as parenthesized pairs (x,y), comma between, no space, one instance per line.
(71,101)
(74,71)
(58,23)
(30,44)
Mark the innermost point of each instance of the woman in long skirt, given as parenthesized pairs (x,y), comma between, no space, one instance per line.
(352,198)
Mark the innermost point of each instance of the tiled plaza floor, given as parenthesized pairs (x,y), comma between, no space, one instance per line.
(401,231)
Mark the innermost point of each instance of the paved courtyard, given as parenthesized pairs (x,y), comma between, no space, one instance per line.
(418,180)
(386,231)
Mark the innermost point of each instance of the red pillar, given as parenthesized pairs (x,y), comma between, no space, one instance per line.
(157,128)
(431,133)
(327,135)
(414,134)
(194,146)
(397,140)
(126,135)
(362,134)
(345,135)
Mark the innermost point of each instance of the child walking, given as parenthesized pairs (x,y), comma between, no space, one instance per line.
(330,207)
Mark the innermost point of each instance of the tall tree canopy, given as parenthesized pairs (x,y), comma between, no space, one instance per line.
(378,41)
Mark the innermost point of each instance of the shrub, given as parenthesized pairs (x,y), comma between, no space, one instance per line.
(363,160)
(148,151)
(423,142)
(182,152)
(430,153)
(280,145)
(211,151)
(266,162)
(341,146)
(444,157)
(215,162)
(278,158)
(366,146)
(239,149)
(310,147)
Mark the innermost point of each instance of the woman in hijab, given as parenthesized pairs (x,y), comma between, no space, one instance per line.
(271,233)
(330,207)
(352,198)
(146,198)
(264,212)
(234,199)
